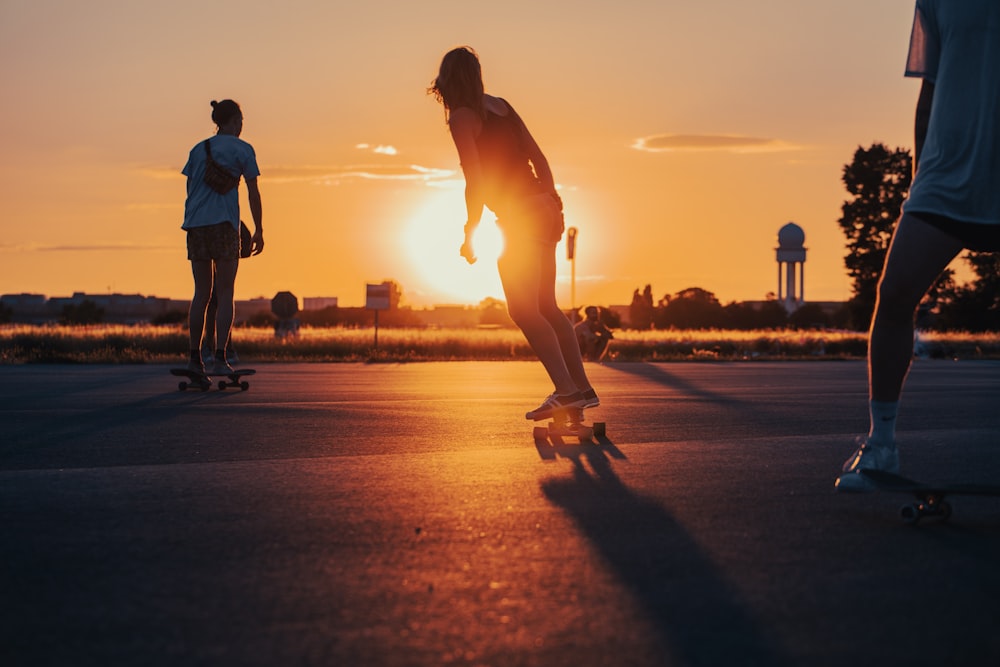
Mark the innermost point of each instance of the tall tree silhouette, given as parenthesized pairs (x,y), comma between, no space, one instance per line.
(878,180)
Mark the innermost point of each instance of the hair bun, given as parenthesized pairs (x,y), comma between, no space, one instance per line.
(214,104)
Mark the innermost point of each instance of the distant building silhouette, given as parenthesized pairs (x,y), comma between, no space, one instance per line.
(118,308)
(319,302)
(124,308)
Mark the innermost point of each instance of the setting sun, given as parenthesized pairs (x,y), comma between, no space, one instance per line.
(433,237)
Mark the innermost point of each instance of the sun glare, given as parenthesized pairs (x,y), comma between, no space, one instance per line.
(433,237)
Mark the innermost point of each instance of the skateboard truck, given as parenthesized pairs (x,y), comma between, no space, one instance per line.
(234,379)
(569,422)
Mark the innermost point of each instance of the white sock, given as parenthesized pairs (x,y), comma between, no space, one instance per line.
(883,422)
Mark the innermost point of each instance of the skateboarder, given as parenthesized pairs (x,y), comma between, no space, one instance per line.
(506,171)
(212,219)
(592,335)
(953,204)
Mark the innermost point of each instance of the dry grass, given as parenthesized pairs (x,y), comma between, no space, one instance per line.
(152,344)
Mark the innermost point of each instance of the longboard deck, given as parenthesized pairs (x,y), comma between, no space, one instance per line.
(888,481)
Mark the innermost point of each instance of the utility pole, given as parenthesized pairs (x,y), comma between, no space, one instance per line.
(571,256)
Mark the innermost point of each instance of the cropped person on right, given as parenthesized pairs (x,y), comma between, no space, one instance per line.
(953,203)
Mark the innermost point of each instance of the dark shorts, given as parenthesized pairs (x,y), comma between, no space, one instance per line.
(219,241)
(974,236)
(532,219)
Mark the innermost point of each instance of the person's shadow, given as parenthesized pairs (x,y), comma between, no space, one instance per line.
(697,613)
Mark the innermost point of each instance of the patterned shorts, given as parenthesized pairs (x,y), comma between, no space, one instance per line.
(219,241)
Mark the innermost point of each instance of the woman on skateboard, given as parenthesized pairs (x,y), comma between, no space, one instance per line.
(212,223)
(506,171)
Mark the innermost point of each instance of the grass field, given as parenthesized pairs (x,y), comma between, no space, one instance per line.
(160,344)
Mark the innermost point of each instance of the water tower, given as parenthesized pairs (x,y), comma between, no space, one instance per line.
(791,253)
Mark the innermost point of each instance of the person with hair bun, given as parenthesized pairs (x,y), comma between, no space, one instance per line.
(212,222)
(506,171)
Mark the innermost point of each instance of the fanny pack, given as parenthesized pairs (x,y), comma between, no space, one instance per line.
(216,177)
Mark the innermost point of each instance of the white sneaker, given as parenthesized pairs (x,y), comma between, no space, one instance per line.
(554,403)
(869,456)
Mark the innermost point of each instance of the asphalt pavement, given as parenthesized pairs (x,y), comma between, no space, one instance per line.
(386,514)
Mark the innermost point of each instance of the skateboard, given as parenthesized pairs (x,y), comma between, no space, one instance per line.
(930,498)
(569,423)
(204,381)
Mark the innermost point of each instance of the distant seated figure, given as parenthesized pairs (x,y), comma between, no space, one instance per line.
(592,335)
(287,327)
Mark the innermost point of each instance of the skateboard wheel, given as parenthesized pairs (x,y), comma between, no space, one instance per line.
(599,429)
(909,514)
(244,385)
(182,385)
(222,385)
(540,433)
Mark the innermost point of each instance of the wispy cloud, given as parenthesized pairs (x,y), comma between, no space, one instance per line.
(365,172)
(380,149)
(88,247)
(104,247)
(334,175)
(731,143)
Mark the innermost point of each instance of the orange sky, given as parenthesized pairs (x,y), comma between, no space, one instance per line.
(682,135)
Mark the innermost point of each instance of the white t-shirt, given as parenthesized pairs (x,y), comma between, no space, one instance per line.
(956,45)
(204,206)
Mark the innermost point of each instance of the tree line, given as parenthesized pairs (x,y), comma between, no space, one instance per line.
(696,308)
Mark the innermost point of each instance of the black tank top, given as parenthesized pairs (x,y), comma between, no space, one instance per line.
(507,172)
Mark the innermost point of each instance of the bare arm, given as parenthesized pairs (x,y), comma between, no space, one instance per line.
(465,127)
(922,121)
(540,164)
(257,211)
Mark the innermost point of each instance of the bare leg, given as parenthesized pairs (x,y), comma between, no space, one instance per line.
(201,269)
(225,283)
(561,324)
(211,315)
(521,273)
(917,255)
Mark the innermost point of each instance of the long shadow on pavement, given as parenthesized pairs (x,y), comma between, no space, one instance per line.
(657,374)
(696,612)
(70,436)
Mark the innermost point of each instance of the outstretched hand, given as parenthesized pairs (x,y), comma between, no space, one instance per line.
(468,253)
